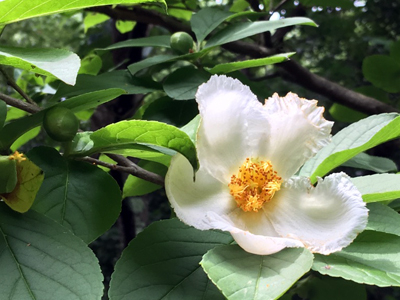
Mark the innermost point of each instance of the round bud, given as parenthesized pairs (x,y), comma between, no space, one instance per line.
(60,124)
(181,42)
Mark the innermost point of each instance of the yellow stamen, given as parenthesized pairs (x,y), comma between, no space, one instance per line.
(17,156)
(255,183)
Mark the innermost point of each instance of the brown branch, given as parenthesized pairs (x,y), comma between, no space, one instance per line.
(333,91)
(14,85)
(19,104)
(294,71)
(136,170)
(130,168)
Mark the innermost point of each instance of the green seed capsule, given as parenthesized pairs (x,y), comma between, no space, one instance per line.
(60,124)
(8,174)
(181,42)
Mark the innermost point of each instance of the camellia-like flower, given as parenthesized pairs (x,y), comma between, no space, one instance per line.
(249,154)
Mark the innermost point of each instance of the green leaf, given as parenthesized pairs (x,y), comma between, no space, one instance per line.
(383,71)
(345,114)
(395,51)
(164,58)
(163,262)
(183,83)
(18,10)
(350,141)
(191,128)
(378,187)
(125,26)
(120,79)
(151,61)
(251,63)
(373,258)
(206,20)
(29,180)
(238,31)
(92,19)
(383,219)
(41,260)
(91,65)
(13,130)
(242,275)
(135,186)
(59,63)
(3,113)
(78,195)
(8,174)
(371,163)
(26,137)
(151,41)
(137,134)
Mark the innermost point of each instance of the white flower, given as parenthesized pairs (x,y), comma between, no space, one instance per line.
(248,154)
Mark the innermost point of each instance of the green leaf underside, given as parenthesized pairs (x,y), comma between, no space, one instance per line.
(239,65)
(242,275)
(13,130)
(162,262)
(164,58)
(238,31)
(206,20)
(378,187)
(191,128)
(350,141)
(383,219)
(151,41)
(371,163)
(42,260)
(141,134)
(135,186)
(383,72)
(183,83)
(120,79)
(18,10)
(59,63)
(65,198)
(371,259)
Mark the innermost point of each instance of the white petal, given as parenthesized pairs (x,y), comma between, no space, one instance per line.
(193,200)
(325,219)
(296,131)
(225,105)
(262,241)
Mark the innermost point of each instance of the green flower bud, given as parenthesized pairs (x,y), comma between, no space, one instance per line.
(60,124)
(181,42)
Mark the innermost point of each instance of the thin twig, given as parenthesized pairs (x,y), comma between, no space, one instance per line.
(128,166)
(14,85)
(19,104)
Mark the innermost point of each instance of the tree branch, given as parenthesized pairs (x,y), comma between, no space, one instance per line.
(136,170)
(127,167)
(19,104)
(296,73)
(14,85)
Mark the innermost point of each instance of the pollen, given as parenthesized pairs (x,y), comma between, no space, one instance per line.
(255,184)
(17,156)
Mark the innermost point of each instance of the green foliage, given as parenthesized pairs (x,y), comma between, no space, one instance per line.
(137,134)
(229,267)
(350,141)
(59,63)
(41,260)
(20,10)
(67,55)
(173,251)
(63,198)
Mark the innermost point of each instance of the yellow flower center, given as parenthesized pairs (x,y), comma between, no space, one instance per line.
(255,183)
(17,156)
